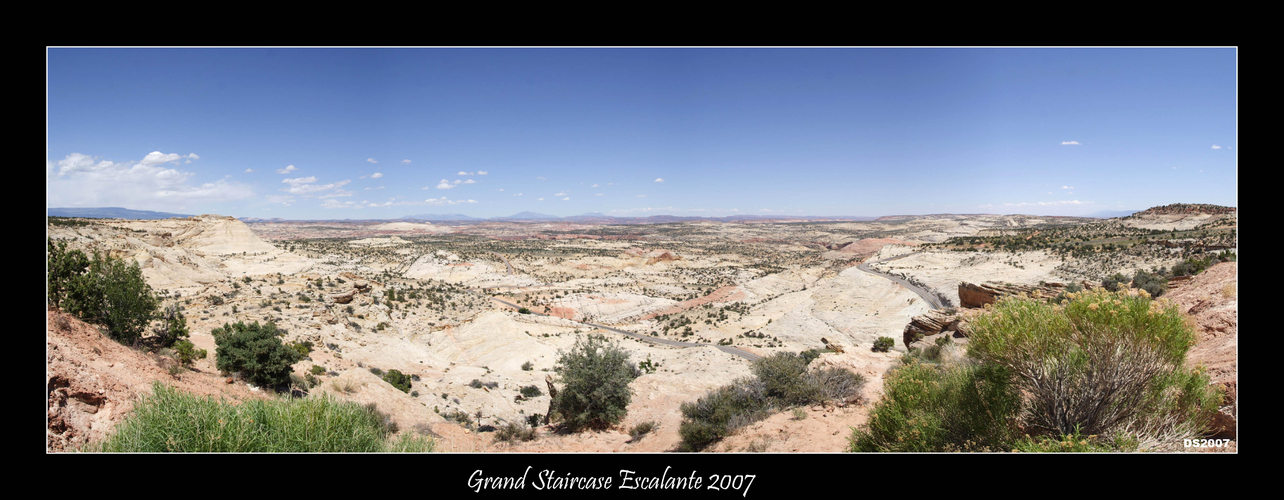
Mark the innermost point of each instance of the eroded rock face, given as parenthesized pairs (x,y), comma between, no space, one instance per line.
(932,323)
(974,296)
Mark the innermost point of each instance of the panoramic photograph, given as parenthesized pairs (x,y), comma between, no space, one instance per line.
(684,251)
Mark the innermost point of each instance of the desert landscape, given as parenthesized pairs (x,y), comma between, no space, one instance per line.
(660,252)
(475,313)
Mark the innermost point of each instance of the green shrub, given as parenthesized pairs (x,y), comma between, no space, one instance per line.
(399,380)
(884,344)
(931,408)
(1102,364)
(317,369)
(514,431)
(721,412)
(528,366)
(172,420)
(531,391)
(595,377)
(780,381)
(642,429)
(256,352)
(101,290)
(187,352)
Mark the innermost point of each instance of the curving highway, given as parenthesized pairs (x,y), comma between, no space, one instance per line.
(932,300)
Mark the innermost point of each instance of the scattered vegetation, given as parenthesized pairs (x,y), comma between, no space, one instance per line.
(884,344)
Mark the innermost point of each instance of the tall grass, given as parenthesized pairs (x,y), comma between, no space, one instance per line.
(170,420)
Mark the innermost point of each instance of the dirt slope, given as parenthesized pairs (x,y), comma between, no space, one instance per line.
(93,381)
(1210,298)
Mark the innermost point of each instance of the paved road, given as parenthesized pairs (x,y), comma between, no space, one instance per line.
(654,340)
(932,300)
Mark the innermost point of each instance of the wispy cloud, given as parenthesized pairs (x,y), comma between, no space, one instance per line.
(659,179)
(443,201)
(405,162)
(1215,146)
(249,170)
(376,175)
(286,170)
(307,185)
(1069,143)
(82,180)
(372,160)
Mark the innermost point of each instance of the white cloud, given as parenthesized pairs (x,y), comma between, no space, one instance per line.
(466,181)
(405,162)
(1069,143)
(541,178)
(286,170)
(539,199)
(595,185)
(482,172)
(1067,187)
(597,194)
(559,194)
(500,190)
(376,175)
(568,198)
(249,170)
(82,180)
(518,194)
(372,160)
(307,185)
(444,184)
(1216,146)
(461,172)
(445,201)
(659,179)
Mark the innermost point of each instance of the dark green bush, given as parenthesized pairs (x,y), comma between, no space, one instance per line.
(531,391)
(399,380)
(101,290)
(256,352)
(884,344)
(595,377)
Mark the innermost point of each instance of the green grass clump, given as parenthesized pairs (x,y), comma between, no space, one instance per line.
(170,420)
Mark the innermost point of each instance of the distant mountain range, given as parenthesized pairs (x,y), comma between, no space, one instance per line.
(111,213)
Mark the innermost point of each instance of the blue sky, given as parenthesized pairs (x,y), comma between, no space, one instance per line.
(383,133)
